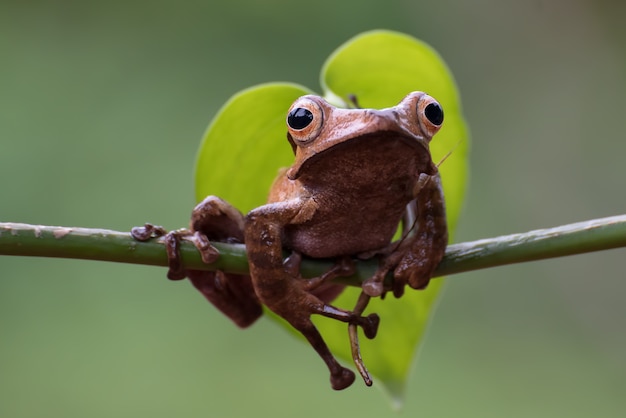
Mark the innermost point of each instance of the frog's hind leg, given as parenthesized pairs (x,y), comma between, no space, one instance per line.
(213,219)
(281,289)
(233,294)
(340,377)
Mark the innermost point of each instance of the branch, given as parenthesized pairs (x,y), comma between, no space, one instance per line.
(106,245)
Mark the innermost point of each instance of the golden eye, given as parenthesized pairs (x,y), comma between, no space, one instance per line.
(429,115)
(305,119)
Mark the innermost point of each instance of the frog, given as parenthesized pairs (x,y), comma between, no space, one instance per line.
(358,174)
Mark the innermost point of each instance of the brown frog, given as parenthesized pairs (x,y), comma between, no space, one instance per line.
(358,173)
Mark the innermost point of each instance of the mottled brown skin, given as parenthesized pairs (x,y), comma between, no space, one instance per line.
(357,174)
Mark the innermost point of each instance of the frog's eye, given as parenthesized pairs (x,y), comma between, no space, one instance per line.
(429,115)
(304,120)
(434,113)
(299,118)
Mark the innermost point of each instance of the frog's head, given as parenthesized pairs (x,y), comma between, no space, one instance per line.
(316,127)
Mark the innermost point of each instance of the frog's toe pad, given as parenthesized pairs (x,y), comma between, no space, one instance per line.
(343,379)
(147,232)
(370,325)
(373,287)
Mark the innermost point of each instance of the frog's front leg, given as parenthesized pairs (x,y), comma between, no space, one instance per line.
(414,259)
(287,295)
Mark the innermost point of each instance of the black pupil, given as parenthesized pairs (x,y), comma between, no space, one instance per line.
(434,113)
(299,118)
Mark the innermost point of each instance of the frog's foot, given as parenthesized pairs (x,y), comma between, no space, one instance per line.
(172,247)
(375,285)
(208,252)
(418,262)
(410,263)
(298,315)
(369,324)
(340,377)
(147,232)
(172,244)
(343,267)
(415,270)
(172,241)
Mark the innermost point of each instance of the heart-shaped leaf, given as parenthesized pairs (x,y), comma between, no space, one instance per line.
(245,145)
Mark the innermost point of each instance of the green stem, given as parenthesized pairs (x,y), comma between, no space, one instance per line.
(106,245)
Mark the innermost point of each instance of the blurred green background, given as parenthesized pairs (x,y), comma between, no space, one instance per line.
(102,106)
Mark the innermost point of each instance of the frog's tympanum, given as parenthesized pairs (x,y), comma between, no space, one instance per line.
(358,174)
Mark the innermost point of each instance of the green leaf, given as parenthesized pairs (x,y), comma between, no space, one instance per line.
(246,144)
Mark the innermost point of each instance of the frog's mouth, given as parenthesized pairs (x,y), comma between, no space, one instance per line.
(377,157)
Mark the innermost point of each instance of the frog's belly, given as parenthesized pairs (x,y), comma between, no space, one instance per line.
(341,235)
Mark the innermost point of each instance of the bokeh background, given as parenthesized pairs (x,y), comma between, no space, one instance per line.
(102,106)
